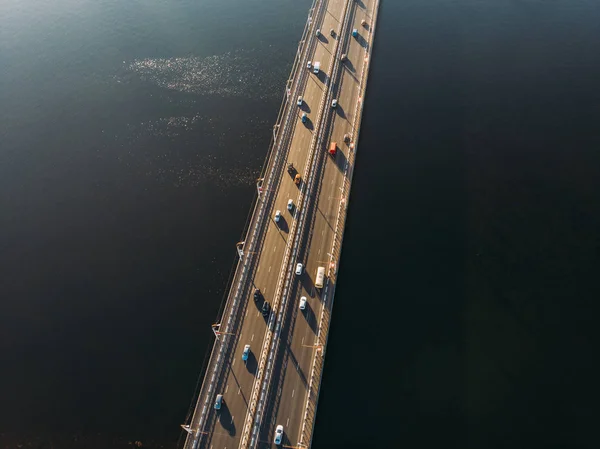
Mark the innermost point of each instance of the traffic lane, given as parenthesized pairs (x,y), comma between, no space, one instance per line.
(282,362)
(297,360)
(303,338)
(298,357)
(301,363)
(241,375)
(329,208)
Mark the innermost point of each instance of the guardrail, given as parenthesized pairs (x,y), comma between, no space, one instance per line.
(318,360)
(194,435)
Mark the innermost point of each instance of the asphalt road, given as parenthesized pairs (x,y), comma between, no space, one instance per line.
(288,399)
(288,392)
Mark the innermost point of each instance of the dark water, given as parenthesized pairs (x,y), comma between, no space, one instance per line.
(131,133)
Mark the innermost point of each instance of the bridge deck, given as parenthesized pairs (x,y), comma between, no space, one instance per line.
(279,382)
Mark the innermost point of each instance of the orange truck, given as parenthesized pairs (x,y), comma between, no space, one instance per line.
(332,148)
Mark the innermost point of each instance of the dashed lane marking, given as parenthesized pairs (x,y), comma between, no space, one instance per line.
(226,388)
(252,338)
(293,391)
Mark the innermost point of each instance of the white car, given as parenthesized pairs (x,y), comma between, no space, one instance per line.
(299,268)
(290,205)
(303,303)
(278,434)
(299,102)
(308,64)
(334,103)
(318,32)
(277,216)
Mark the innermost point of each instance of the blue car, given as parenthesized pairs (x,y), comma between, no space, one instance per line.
(354,32)
(246,353)
(304,117)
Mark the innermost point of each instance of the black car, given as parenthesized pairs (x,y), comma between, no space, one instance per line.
(256,295)
(265,308)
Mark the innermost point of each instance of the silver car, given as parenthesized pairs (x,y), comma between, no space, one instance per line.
(303,303)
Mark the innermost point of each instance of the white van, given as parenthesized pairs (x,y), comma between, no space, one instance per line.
(320,277)
(317,67)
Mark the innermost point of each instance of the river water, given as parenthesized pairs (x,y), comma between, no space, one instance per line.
(130,137)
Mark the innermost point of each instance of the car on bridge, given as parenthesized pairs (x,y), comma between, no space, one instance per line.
(318,32)
(343,57)
(309,64)
(218,402)
(333,148)
(278,435)
(265,308)
(297,179)
(290,204)
(299,269)
(354,32)
(332,32)
(334,103)
(277,216)
(300,100)
(246,353)
(303,303)
(304,117)
(257,295)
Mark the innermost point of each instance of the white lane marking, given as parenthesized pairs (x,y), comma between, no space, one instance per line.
(233,363)
(252,339)
(302,341)
(269,269)
(239,390)
(274,248)
(226,388)
(232,419)
(287,423)
(323,232)
(319,252)
(293,391)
